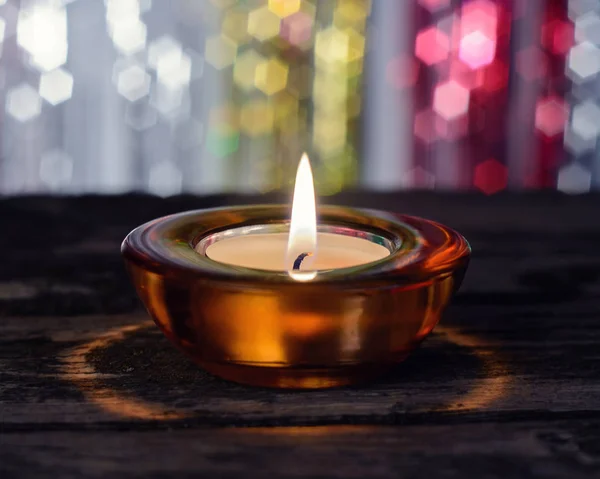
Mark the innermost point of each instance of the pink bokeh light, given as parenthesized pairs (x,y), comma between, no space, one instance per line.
(478,33)
(432,46)
(477,50)
(551,114)
(451,100)
(297,28)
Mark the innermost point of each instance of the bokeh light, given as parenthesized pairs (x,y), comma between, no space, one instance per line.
(551,115)
(56,86)
(23,102)
(219,95)
(432,46)
(451,100)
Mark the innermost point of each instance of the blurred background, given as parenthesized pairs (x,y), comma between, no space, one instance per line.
(208,96)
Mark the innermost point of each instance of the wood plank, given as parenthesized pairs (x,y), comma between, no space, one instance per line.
(509,386)
(503,451)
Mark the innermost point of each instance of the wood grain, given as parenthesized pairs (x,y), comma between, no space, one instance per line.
(509,386)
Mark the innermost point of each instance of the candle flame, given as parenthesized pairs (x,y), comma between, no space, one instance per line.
(303,226)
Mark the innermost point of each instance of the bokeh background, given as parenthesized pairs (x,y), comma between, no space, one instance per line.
(208,96)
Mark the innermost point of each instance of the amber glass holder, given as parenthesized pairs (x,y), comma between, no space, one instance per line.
(265,328)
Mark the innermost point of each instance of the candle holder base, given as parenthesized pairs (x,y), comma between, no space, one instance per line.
(298,377)
(264,328)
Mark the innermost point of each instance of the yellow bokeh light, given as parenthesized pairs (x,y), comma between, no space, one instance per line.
(257,118)
(244,70)
(263,24)
(220,51)
(284,8)
(329,134)
(350,13)
(235,25)
(271,76)
(336,46)
(330,92)
(288,114)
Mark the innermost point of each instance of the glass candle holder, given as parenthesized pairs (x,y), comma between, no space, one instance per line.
(265,328)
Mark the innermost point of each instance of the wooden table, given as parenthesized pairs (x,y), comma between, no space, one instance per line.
(508,387)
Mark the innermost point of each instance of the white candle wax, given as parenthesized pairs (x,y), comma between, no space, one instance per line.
(268,251)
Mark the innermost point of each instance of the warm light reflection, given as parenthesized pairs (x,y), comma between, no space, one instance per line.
(303,226)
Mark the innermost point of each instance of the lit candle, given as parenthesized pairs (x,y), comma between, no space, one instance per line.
(303,251)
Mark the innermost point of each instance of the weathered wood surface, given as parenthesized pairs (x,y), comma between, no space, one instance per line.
(508,387)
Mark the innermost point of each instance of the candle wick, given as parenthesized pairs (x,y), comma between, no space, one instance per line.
(299,260)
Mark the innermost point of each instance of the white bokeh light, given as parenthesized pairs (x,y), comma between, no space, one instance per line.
(583,62)
(133,83)
(587,28)
(165,179)
(42,32)
(23,102)
(581,7)
(174,70)
(56,86)
(574,179)
(161,47)
(117,10)
(129,35)
(586,120)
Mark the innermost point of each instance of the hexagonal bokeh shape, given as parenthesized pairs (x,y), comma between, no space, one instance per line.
(133,82)
(581,7)
(432,46)
(174,70)
(284,8)
(244,69)
(161,47)
(574,179)
(271,76)
(297,28)
(583,62)
(451,100)
(587,27)
(350,13)
(129,35)
(333,45)
(235,25)
(56,86)
(477,50)
(56,169)
(257,118)
(551,115)
(586,120)
(263,24)
(23,102)
(165,179)
(491,176)
(42,32)
(557,36)
(220,51)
